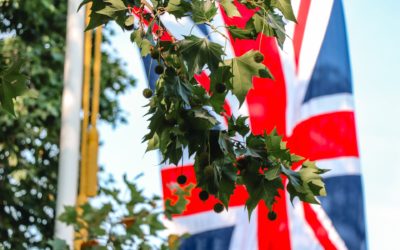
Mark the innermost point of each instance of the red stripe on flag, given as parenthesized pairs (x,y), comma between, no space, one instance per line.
(319,230)
(267,109)
(299,29)
(204,80)
(273,235)
(325,136)
(169,175)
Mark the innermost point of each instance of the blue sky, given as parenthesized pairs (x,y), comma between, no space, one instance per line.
(374,39)
(375,56)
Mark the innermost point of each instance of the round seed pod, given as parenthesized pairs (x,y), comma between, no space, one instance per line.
(147,93)
(181,179)
(272,215)
(218,207)
(159,69)
(258,57)
(203,195)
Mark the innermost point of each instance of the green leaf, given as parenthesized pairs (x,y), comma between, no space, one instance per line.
(244,68)
(130,21)
(230,8)
(227,184)
(112,8)
(272,173)
(241,126)
(153,143)
(178,8)
(296,158)
(135,194)
(95,18)
(239,33)
(270,24)
(285,7)
(58,244)
(294,179)
(305,183)
(204,114)
(84,2)
(197,52)
(310,175)
(203,11)
(222,75)
(178,205)
(144,44)
(154,224)
(12,84)
(266,191)
(226,144)
(69,216)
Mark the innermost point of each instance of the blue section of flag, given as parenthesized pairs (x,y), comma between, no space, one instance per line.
(332,73)
(344,206)
(149,65)
(218,239)
(203,28)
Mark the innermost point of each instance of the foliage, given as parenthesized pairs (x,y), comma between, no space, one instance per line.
(182,113)
(128,221)
(12,84)
(29,143)
(177,206)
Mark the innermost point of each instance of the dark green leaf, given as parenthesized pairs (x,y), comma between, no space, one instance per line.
(12,84)
(144,44)
(112,8)
(272,173)
(58,244)
(203,11)
(178,8)
(244,68)
(239,33)
(285,7)
(198,52)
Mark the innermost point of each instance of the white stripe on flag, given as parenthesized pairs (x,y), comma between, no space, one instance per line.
(340,166)
(316,106)
(314,33)
(327,224)
(206,221)
(301,234)
(326,104)
(289,72)
(219,23)
(244,227)
(296,85)
(317,21)
(179,28)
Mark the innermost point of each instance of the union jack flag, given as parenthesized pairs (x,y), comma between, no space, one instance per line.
(310,102)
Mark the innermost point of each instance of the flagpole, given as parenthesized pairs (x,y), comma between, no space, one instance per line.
(70,120)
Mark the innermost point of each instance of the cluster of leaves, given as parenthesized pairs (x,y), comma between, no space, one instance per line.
(183,114)
(129,221)
(29,143)
(12,84)
(178,205)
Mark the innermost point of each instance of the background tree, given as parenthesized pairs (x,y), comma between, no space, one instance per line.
(29,143)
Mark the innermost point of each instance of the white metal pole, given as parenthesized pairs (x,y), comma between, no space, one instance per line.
(70,120)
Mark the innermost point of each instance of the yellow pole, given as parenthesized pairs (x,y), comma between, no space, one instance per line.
(92,167)
(87,60)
